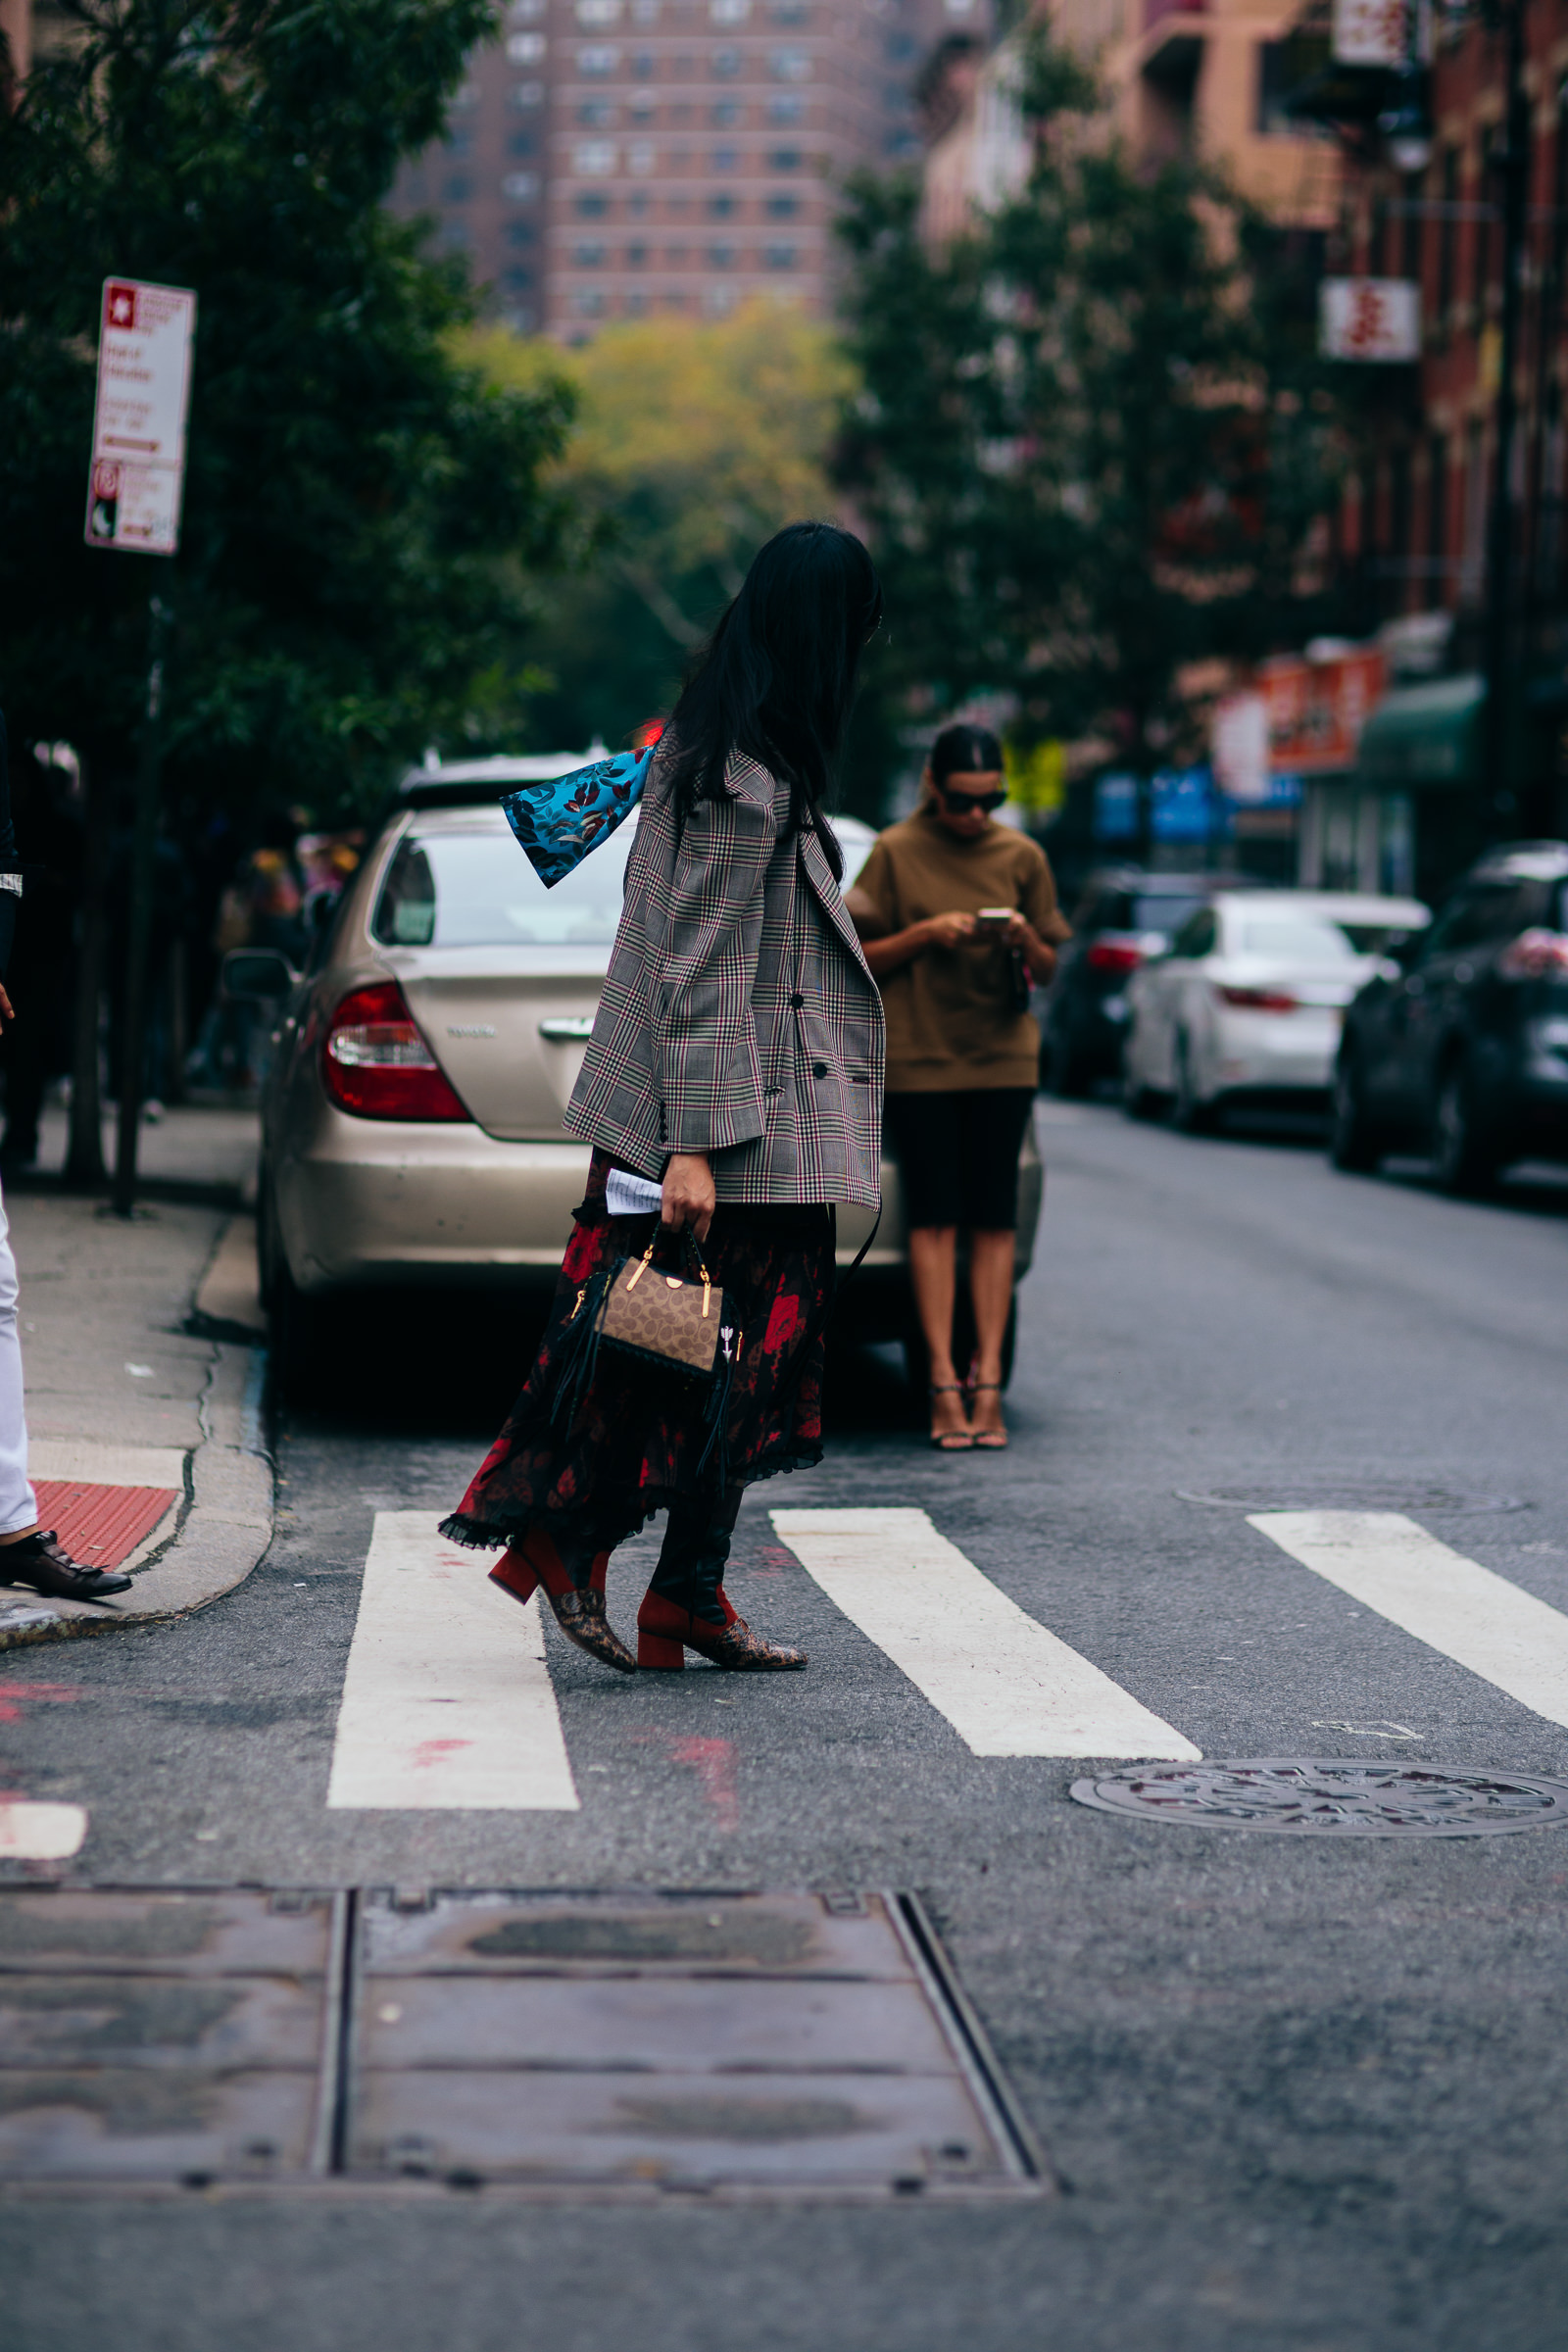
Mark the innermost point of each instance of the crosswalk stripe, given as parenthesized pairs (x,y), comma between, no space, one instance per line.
(1007,1686)
(446,1701)
(1454,1605)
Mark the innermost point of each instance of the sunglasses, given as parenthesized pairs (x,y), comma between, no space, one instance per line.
(958,804)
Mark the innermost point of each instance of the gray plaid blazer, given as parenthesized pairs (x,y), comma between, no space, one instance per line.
(738,1017)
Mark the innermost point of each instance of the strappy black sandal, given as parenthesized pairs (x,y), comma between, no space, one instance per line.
(988,1440)
(950,1441)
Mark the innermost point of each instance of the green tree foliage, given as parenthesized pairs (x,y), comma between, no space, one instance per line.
(694,445)
(362,509)
(1093,438)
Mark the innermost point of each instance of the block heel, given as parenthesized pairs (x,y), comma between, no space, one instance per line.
(659,1653)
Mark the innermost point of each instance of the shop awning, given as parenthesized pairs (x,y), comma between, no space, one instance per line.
(1422,737)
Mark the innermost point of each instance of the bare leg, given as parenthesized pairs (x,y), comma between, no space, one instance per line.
(933,1260)
(990,1264)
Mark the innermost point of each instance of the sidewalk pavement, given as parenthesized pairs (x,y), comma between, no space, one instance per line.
(142,1350)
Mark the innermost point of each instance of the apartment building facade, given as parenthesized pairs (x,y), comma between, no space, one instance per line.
(622,159)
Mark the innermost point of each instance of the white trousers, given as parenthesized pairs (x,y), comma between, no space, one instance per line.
(18,1505)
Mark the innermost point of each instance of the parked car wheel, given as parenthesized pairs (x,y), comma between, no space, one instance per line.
(1193,1115)
(307,1337)
(1465,1161)
(1352,1139)
(1138,1101)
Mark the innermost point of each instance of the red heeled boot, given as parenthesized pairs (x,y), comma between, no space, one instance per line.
(580,1614)
(665,1631)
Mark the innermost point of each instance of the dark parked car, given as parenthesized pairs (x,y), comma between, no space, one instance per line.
(1123,916)
(1459,1045)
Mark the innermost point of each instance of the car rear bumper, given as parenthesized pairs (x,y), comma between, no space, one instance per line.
(373,1203)
(1275,1053)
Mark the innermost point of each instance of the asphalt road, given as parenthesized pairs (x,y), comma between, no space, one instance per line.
(1304,2096)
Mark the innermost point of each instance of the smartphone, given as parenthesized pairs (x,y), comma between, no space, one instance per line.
(994,918)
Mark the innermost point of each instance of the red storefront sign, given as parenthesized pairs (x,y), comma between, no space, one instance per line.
(1316,710)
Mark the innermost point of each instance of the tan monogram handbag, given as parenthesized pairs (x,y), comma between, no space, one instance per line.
(665,1318)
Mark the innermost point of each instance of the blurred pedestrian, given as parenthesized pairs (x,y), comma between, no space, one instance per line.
(29,1555)
(731,1091)
(956,913)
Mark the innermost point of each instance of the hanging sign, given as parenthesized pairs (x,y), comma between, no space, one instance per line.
(1376,32)
(1376,319)
(138,432)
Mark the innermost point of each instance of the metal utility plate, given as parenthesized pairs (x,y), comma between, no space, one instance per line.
(763,2045)
(1334,1796)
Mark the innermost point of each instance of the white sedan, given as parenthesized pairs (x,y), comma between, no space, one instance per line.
(1246,1003)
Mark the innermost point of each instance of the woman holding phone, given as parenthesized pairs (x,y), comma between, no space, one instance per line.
(956,913)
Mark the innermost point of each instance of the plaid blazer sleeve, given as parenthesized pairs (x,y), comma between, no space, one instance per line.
(705,1033)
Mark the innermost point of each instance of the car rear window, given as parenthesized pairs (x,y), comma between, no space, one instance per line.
(1295,939)
(1161,911)
(478,890)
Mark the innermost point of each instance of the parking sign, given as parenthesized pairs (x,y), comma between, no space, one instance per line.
(138,434)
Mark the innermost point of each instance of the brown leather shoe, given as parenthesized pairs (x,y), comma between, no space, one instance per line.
(582,1618)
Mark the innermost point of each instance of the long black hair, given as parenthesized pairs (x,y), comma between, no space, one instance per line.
(776,679)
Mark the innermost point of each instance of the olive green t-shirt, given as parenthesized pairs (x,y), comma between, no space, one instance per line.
(951,1020)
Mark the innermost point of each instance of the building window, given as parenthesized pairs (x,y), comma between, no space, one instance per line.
(645,64)
(721,257)
(723,208)
(458,189)
(466,94)
(797,12)
(645,12)
(525,12)
(719,301)
(780,257)
(730,12)
(726,63)
(598,11)
(587,301)
(783,208)
(522,142)
(786,110)
(520,187)
(636,257)
(526,94)
(675,257)
(521,233)
(593,205)
(1275,82)
(789,65)
(456,235)
(596,114)
(640,157)
(602,57)
(726,158)
(593,159)
(726,114)
(637,205)
(516,281)
(586,256)
(457,142)
(527,48)
(785,159)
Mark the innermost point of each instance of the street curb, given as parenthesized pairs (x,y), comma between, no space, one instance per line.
(222,1526)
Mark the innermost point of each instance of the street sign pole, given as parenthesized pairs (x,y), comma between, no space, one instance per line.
(133,504)
(143,864)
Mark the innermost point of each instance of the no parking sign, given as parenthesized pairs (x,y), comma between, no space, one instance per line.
(138,434)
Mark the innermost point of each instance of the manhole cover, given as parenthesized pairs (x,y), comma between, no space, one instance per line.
(757,2043)
(1345,1495)
(1332,1798)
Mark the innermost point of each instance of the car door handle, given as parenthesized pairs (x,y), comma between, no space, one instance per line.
(567,1029)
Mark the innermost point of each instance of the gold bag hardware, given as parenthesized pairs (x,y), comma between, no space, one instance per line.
(668,1321)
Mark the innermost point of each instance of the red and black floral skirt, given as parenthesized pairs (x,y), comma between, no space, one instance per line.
(636,1439)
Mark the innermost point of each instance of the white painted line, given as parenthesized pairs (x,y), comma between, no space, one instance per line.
(107,1465)
(1454,1605)
(446,1701)
(1006,1685)
(39,1832)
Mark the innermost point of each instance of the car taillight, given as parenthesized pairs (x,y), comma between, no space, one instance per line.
(376,1064)
(1114,955)
(1536,955)
(1260,999)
